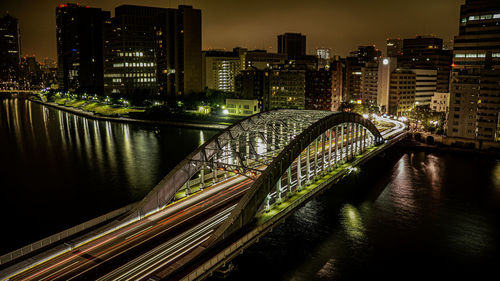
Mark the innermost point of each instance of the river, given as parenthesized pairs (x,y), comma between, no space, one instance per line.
(407,215)
(59,169)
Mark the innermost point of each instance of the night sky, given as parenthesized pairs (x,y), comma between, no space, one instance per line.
(338,24)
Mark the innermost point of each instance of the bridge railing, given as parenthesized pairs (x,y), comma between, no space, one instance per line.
(62,235)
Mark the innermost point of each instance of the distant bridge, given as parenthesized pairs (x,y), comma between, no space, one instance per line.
(224,195)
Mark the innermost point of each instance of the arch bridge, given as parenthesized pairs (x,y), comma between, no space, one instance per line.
(280,151)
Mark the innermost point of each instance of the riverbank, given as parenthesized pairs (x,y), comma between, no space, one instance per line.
(91,115)
(421,141)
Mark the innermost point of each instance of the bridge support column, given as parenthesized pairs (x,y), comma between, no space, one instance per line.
(336,146)
(289,180)
(329,149)
(323,154)
(348,141)
(281,140)
(188,188)
(278,191)
(214,169)
(247,147)
(308,165)
(315,158)
(202,177)
(227,161)
(273,138)
(356,139)
(351,141)
(342,144)
(299,172)
(364,140)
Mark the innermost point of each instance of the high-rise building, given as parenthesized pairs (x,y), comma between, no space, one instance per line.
(130,68)
(462,114)
(80,48)
(352,79)
(488,106)
(153,52)
(337,70)
(318,91)
(292,44)
(220,69)
(479,34)
(10,51)
(394,47)
(178,35)
(425,87)
(401,92)
(385,70)
(474,91)
(426,52)
(369,83)
(286,89)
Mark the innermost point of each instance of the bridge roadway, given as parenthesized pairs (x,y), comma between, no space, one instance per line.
(145,246)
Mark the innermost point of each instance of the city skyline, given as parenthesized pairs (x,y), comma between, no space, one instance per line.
(248,26)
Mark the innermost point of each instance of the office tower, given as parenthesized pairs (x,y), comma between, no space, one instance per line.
(130,68)
(394,47)
(462,114)
(318,91)
(179,51)
(426,86)
(10,49)
(337,70)
(153,52)
(292,44)
(478,35)
(385,70)
(425,52)
(220,69)
(80,48)
(401,92)
(365,54)
(369,83)
(488,105)
(352,79)
(286,89)
(474,92)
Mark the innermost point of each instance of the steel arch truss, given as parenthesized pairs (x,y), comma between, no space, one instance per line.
(358,132)
(246,148)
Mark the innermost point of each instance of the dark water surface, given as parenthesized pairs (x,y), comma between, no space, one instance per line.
(58,169)
(410,215)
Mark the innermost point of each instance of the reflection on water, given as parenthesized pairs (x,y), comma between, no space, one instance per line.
(411,216)
(59,169)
